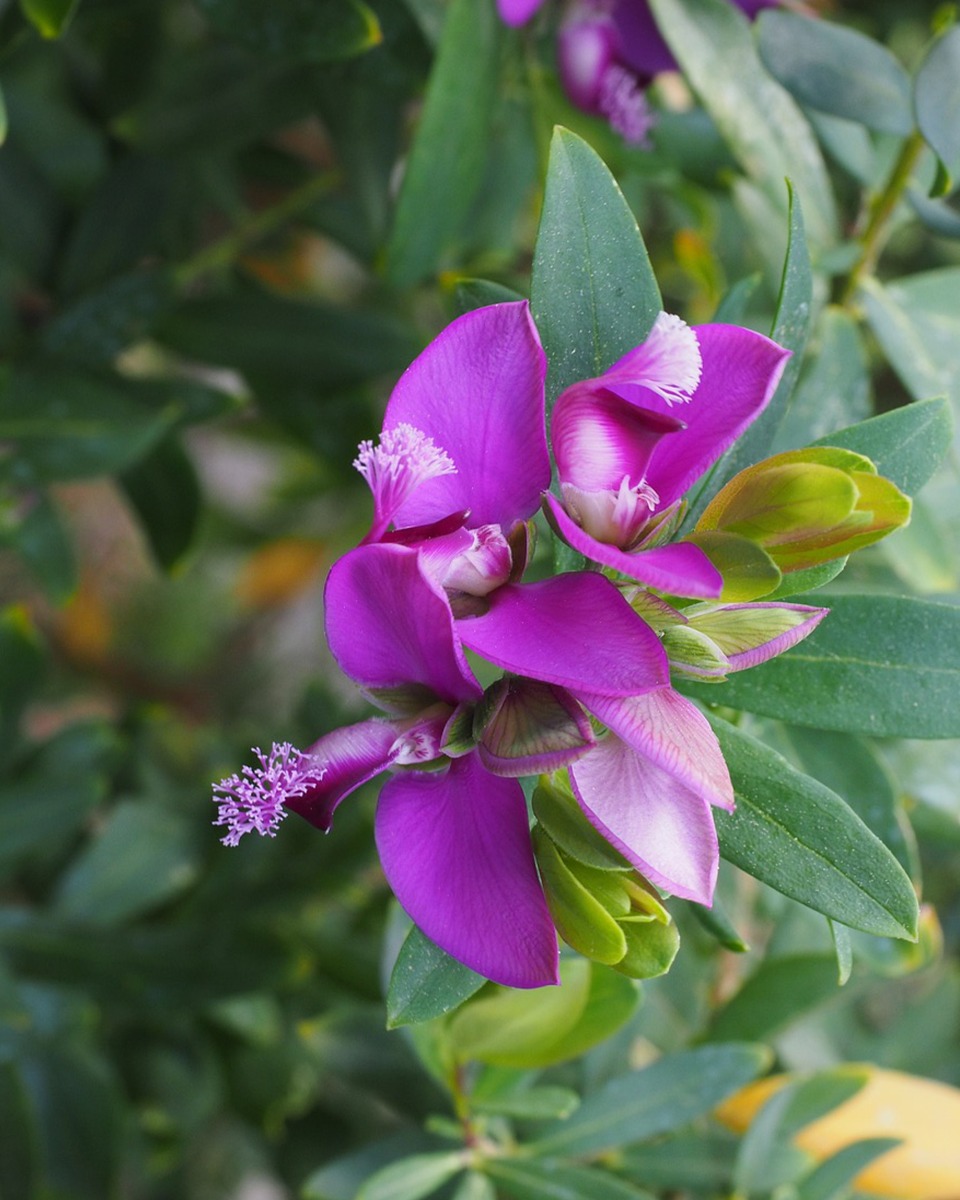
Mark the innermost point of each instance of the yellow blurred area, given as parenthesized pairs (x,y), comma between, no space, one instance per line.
(925,1114)
(279,571)
(84,626)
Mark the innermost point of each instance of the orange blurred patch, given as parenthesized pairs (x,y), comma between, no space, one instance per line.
(84,627)
(925,1114)
(278,572)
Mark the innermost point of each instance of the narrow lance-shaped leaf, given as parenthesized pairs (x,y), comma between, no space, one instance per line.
(713,43)
(796,835)
(449,152)
(593,293)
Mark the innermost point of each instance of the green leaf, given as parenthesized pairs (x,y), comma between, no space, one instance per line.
(266,335)
(3,120)
(50,17)
(533,1180)
(143,857)
(796,835)
(474,1186)
(522,1028)
(670,1093)
(104,322)
(72,424)
(766,1156)
(807,580)
(837,70)
(917,322)
(22,663)
(449,153)
(884,666)
(19,1169)
(43,543)
(713,43)
(534,1104)
(905,445)
(476,293)
(164,491)
(412,1178)
(936,98)
(831,1180)
(313,30)
(851,767)
(697,1161)
(778,992)
(426,982)
(843,948)
(833,390)
(593,293)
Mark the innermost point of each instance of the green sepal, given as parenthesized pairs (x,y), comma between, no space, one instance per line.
(651,948)
(581,919)
(557,810)
(748,571)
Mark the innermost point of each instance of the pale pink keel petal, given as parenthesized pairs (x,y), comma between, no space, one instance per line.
(574,630)
(477,391)
(679,567)
(741,370)
(662,827)
(389,625)
(668,363)
(343,760)
(455,848)
(673,733)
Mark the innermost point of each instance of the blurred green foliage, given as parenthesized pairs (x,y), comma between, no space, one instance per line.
(226,226)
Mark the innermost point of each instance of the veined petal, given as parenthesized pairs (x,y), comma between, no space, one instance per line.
(668,363)
(749,634)
(345,759)
(455,848)
(741,370)
(599,438)
(574,630)
(679,567)
(389,625)
(662,827)
(670,731)
(477,392)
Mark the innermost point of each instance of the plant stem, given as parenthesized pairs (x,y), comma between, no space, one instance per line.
(225,251)
(877,230)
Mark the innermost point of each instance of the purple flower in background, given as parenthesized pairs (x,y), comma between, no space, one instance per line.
(608,51)
(629,443)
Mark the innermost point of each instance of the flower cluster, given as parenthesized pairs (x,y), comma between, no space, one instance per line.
(608,52)
(584,701)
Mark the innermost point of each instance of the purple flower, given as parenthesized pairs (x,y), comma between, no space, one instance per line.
(462,457)
(629,443)
(608,51)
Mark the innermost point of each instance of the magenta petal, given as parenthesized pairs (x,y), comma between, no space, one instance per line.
(345,759)
(389,626)
(574,630)
(679,567)
(517,12)
(656,822)
(477,391)
(673,733)
(455,848)
(741,370)
(599,438)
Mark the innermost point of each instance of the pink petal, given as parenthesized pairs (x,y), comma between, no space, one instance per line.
(574,630)
(741,370)
(517,12)
(668,363)
(344,759)
(389,626)
(670,731)
(748,651)
(679,567)
(455,848)
(599,438)
(656,822)
(477,391)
